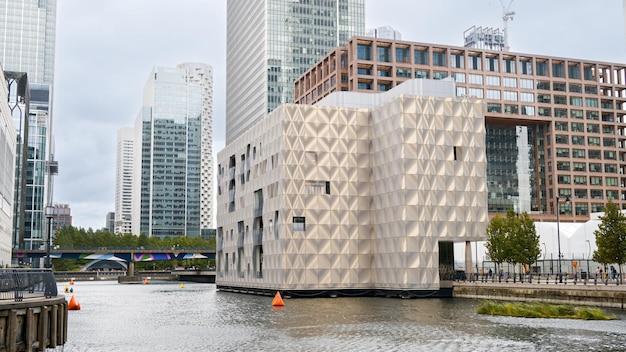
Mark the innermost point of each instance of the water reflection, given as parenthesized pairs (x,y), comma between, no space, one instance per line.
(163,316)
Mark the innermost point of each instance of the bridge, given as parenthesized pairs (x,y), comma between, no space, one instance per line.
(128,255)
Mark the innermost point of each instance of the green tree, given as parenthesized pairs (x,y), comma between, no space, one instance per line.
(497,233)
(524,242)
(611,237)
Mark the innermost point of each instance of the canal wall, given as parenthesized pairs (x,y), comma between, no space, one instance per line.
(611,296)
(33,324)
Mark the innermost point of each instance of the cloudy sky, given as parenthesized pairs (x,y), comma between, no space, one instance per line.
(105,51)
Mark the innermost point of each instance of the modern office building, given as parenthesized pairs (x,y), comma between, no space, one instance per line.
(7,174)
(361,194)
(62,217)
(110,222)
(27,30)
(386,32)
(168,147)
(270,43)
(555,126)
(124,180)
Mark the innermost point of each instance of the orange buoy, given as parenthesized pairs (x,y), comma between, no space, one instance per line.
(278,300)
(145,281)
(73,305)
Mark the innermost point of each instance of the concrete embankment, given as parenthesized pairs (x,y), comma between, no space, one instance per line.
(600,295)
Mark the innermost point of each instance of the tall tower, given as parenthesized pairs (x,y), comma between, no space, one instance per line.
(124,180)
(27,33)
(270,43)
(168,162)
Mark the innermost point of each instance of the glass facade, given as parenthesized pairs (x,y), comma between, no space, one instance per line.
(28,30)
(170,155)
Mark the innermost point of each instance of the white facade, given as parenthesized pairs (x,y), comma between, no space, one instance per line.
(124,180)
(328,198)
(7,176)
(270,43)
(385,32)
(203,75)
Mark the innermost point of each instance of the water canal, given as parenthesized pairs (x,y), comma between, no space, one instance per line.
(165,317)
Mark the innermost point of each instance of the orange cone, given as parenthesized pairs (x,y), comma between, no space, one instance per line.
(73,305)
(278,300)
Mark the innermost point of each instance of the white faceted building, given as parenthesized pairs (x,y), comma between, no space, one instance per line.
(362,194)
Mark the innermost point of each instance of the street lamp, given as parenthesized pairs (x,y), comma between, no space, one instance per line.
(49,213)
(558,236)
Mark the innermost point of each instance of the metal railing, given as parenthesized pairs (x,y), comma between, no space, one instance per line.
(17,284)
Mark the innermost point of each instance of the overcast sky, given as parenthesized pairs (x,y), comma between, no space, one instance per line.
(105,51)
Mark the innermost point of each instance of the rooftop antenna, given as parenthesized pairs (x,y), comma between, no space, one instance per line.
(507,15)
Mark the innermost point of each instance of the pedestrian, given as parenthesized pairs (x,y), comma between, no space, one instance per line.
(489,273)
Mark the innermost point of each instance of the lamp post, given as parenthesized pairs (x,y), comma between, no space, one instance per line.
(49,213)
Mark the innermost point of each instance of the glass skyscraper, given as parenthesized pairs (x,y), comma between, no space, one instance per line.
(169,136)
(270,43)
(27,30)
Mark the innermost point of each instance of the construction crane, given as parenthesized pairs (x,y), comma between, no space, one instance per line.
(507,15)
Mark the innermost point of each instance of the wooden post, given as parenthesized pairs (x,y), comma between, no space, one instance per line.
(53,326)
(12,331)
(30,329)
(43,328)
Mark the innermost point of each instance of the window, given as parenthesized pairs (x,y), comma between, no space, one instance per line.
(402,55)
(511,109)
(610,168)
(422,74)
(383,71)
(528,110)
(560,113)
(578,153)
(576,114)
(493,94)
(557,69)
(594,154)
(580,180)
(611,181)
(595,167)
(461,92)
(512,96)
(525,66)
(609,155)
(559,87)
(543,98)
(365,85)
(606,104)
(611,194)
(493,81)
(591,89)
(575,88)
(582,167)
(475,79)
(403,72)
(421,56)
(527,97)
(593,141)
(578,127)
(364,52)
(439,58)
(383,86)
(543,85)
(561,139)
(299,223)
(589,73)
(562,165)
(544,112)
(383,53)
(459,77)
(564,179)
(562,152)
(593,128)
(457,60)
(573,71)
(509,82)
(439,75)
(491,107)
(608,142)
(578,140)
(595,180)
(526,83)
(576,101)
(593,115)
(491,64)
(560,99)
(508,65)
(542,68)
(476,92)
(561,126)
(474,62)
(596,194)
(591,102)
(607,129)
